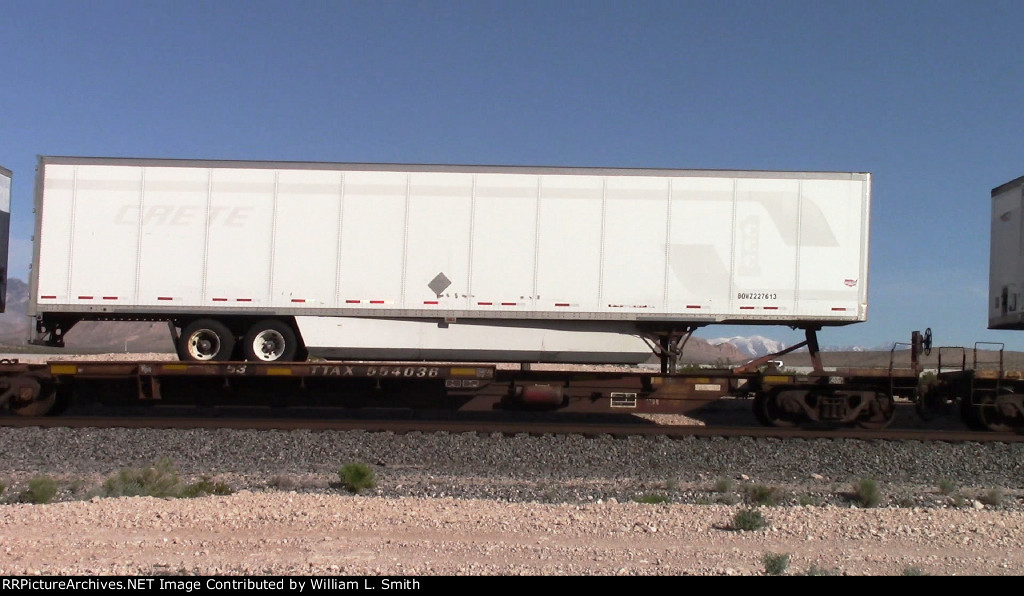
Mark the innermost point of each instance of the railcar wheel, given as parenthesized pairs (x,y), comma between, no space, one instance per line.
(988,414)
(932,404)
(880,413)
(41,406)
(769,411)
(206,340)
(270,341)
(969,414)
(31,398)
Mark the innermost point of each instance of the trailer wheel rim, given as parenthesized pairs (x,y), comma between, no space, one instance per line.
(204,344)
(269,345)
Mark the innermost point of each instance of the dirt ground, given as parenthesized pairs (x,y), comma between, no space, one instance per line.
(288,533)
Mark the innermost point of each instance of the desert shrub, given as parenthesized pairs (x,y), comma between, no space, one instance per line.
(913,571)
(809,500)
(759,494)
(775,563)
(41,489)
(723,485)
(78,487)
(946,486)
(867,493)
(357,477)
(748,520)
(992,497)
(159,480)
(728,499)
(906,502)
(204,487)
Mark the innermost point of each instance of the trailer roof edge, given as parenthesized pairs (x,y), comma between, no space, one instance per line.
(460,168)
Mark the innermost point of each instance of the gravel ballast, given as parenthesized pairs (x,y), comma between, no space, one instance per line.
(493,504)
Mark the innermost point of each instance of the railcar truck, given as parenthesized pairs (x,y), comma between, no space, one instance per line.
(271,261)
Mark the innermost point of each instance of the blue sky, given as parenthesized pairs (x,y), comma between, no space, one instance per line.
(924,95)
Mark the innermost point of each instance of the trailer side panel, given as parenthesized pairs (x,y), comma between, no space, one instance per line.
(120,237)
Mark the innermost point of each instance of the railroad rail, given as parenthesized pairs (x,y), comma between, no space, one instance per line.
(336,419)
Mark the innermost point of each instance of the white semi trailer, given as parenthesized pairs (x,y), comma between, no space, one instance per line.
(271,261)
(1006,257)
(5,224)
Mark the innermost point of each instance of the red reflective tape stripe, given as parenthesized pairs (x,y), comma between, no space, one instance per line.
(298,299)
(562,304)
(376,302)
(485,303)
(839,309)
(164,298)
(746,308)
(508,303)
(110,297)
(352,302)
(220,299)
(48,297)
(771,308)
(430,302)
(85,297)
(692,306)
(243,299)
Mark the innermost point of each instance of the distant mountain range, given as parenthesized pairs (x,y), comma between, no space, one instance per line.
(754,346)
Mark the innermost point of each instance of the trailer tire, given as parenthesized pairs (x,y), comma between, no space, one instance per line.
(206,340)
(270,341)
